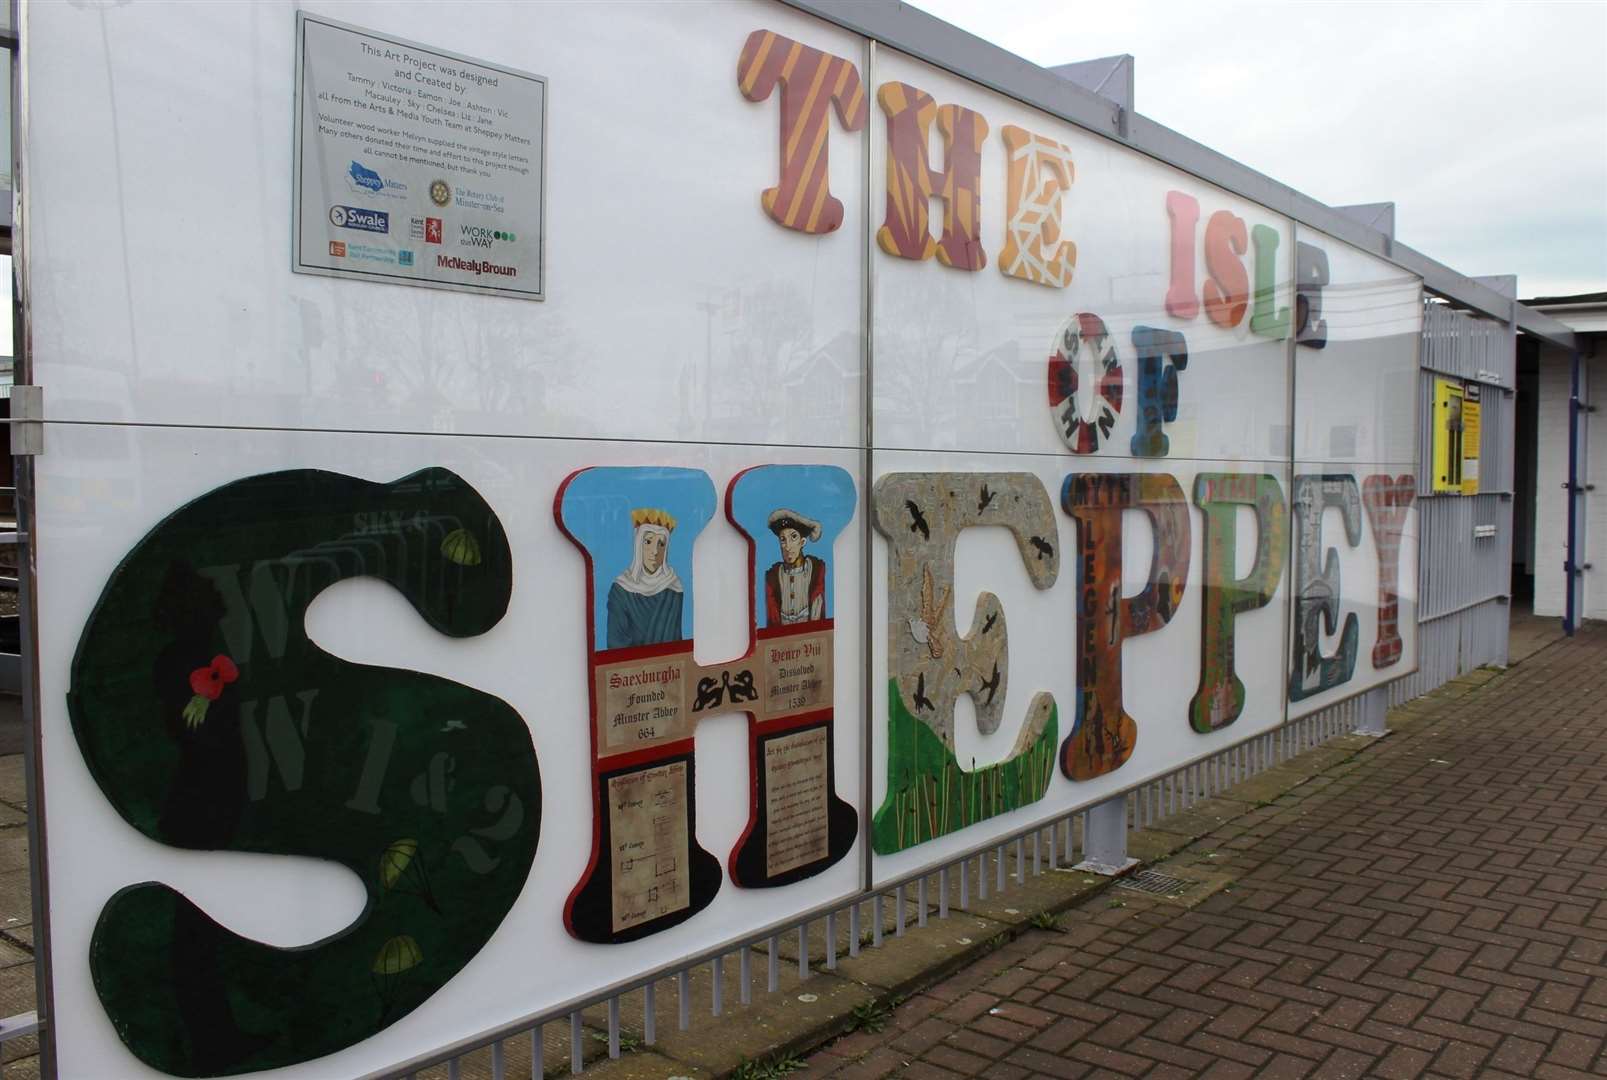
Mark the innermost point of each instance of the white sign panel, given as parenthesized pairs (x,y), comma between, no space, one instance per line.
(416,165)
(341,723)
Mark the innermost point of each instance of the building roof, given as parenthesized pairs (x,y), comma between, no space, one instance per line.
(1583,313)
(1576,298)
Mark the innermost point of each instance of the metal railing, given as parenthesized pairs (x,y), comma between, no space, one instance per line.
(989,871)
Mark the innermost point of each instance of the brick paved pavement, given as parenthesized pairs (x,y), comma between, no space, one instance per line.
(1434,907)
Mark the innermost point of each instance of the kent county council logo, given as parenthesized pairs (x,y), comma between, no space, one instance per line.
(440,193)
(404,257)
(433,230)
(337,248)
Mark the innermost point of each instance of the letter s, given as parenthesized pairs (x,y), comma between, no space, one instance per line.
(211,721)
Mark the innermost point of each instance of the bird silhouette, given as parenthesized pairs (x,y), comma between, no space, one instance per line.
(921,700)
(917,520)
(1045,549)
(991,685)
(987,497)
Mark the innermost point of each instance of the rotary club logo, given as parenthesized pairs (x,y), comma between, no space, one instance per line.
(440,193)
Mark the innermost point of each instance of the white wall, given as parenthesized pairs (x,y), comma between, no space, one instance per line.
(1551,472)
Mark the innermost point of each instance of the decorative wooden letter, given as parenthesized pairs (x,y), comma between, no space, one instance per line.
(1264,319)
(1227,287)
(1316,584)
(1387,500)
(929,791)
(1084,350)
(1311,274)
(1103,735)
(1161,355)
(636,527)
(811,83)
(911,181)
(211,721)
(1220,698)
(1183,211)
(1039,173)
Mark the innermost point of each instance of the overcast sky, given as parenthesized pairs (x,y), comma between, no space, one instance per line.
(1485,123)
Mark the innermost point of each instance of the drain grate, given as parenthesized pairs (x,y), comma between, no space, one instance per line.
(1156,883)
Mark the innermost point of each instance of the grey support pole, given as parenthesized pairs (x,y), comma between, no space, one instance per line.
(1105,839)
(1371,709)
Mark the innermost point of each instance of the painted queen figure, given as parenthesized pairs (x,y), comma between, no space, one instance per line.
(644,603)
(795,587)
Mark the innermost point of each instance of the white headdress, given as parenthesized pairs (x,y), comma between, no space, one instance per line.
(637,579)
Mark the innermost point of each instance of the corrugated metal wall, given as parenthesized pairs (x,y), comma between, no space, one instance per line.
(1464,581)
(1467,346)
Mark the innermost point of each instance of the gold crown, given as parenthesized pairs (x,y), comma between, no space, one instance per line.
(652,517)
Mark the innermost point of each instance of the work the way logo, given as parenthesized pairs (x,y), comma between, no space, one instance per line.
(365,181)
(482,237)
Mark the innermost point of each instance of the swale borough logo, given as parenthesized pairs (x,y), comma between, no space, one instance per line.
(356,217)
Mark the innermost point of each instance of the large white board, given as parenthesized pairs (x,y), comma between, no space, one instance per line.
(739,635)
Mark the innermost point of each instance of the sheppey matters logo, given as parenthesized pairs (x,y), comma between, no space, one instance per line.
(356,217)
(363,179)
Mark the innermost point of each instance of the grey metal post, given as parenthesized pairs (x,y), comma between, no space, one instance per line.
(1371,709)
(1578,455)
(1105,839)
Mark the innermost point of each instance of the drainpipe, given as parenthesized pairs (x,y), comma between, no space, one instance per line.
(1570,618)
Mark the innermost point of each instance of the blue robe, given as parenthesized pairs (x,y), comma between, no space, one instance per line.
(634,619)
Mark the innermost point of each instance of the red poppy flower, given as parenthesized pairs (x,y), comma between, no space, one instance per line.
(209,681)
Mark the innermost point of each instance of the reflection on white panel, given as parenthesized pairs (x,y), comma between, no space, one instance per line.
(676,308)
(963,357)
(1154,672)
(534,658)
(1356,356)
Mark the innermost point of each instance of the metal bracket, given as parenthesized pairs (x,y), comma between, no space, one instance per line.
(27,421)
